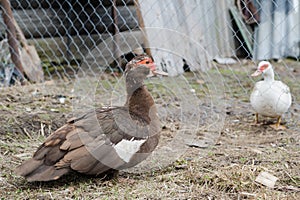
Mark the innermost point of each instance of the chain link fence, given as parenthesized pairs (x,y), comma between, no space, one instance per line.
(106,34)
(209,48)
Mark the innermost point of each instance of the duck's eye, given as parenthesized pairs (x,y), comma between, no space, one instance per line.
(144,62)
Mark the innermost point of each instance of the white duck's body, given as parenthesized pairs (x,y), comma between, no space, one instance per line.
(270,98)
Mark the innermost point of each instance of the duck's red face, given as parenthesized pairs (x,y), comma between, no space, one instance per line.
(262,67)
(146,61)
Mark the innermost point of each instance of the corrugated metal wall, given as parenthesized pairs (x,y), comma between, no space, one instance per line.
(278,34)
(191,29)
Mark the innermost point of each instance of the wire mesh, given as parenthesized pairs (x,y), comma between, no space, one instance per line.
(88,43)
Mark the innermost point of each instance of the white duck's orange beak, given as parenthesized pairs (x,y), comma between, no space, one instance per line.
(256,73)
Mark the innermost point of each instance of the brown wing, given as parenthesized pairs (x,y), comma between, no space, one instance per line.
(84,144)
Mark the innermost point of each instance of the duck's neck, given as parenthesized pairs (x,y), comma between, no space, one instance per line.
(269,75)
(140,102)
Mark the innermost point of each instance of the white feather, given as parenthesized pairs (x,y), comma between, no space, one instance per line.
(127,148)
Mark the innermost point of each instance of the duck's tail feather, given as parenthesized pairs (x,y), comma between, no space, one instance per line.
(36,170)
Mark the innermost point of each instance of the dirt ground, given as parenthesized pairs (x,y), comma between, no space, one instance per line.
(224,168)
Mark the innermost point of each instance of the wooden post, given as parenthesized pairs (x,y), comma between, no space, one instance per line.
(11,35)
(69,27)
(142,27)
(116,32)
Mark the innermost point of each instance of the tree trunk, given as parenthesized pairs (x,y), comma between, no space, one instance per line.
(11,35)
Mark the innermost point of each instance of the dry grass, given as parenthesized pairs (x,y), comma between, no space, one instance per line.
(225,170)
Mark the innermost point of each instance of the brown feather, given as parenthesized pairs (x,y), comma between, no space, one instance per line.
(54,155)
(76,140)
(28,167)
(46,173)
(99,168)
(81,159)
(53,140)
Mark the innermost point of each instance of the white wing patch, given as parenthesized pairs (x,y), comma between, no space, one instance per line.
(127,148)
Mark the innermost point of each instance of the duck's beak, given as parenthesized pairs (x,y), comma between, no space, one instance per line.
(256,73)
(155,72)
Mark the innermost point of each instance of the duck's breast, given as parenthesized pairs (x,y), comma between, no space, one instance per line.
(271,99)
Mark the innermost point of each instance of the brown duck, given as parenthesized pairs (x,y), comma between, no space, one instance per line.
(105,139)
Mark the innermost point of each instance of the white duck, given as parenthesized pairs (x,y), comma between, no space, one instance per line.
(270,98)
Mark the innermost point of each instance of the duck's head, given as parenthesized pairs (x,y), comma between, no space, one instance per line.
(140,67)
(264,67)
